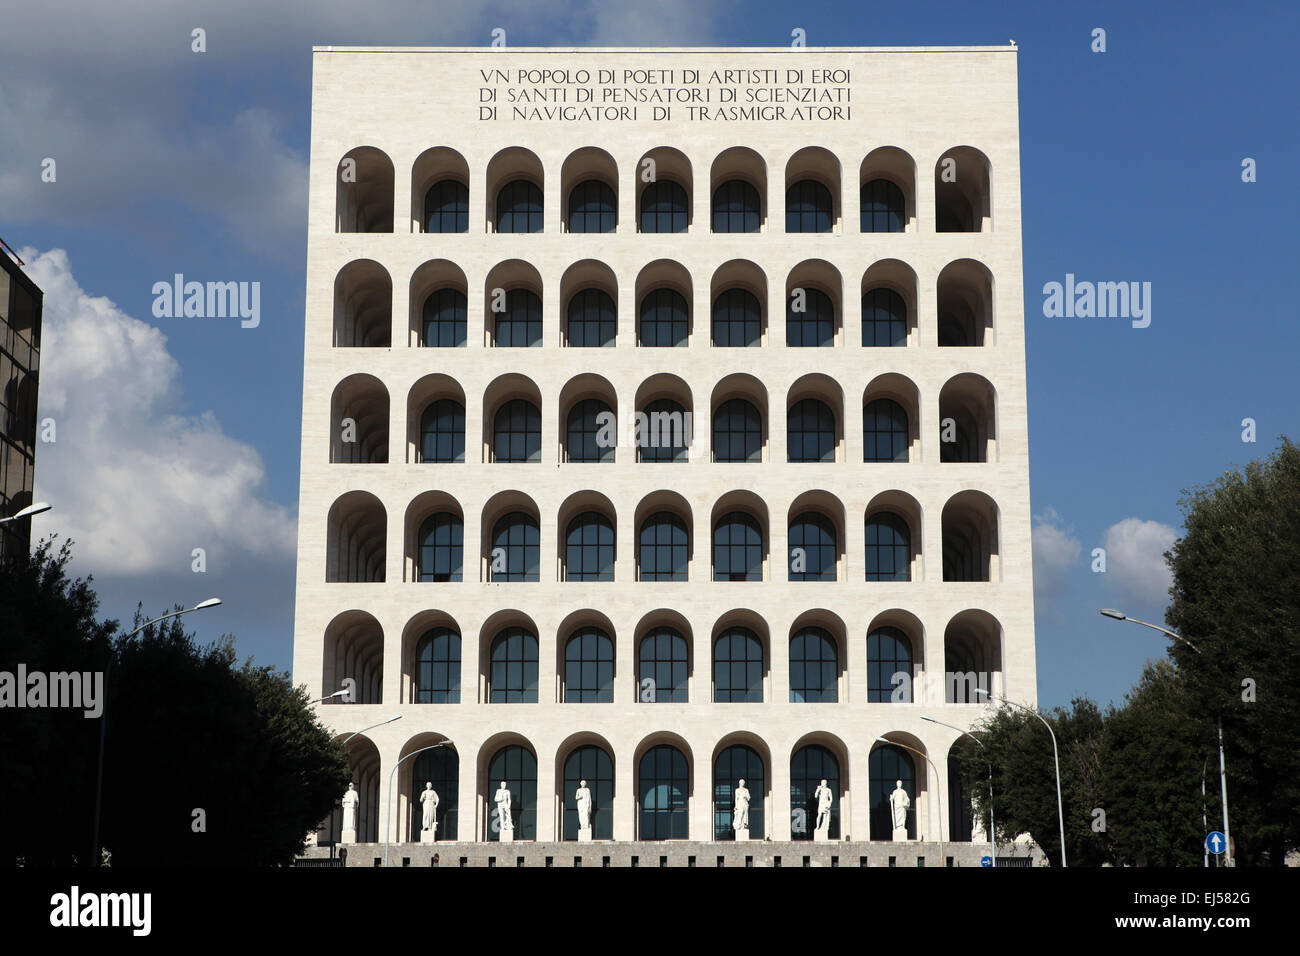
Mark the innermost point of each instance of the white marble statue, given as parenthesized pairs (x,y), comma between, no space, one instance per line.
(824,798)
(502,800)
(583,798)
(899,801)
(351,800)
(740,813)
(429,799)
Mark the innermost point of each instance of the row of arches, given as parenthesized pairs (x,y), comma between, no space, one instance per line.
(502,663)
(662,426)
(510,313)
(668,781)
(662,192)
(666,529)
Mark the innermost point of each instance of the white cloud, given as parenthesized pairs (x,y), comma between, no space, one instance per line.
(1135,563)
(1056,555)
(133,482)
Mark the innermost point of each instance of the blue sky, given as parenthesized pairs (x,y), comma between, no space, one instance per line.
(176,434)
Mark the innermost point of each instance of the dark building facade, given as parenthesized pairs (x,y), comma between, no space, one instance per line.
(20,361)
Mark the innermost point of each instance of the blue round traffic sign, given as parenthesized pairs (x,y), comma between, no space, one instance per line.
(986,861)
(1215,842)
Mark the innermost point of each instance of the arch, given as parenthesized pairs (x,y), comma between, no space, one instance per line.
(435,538)
(435,420)
(439,304)
(884,660)
(355,547)
(739,417)
(889,305)
(664,786)
(511,538)
(589,543)
(586,757)
(887,766)
(665,198)
(589,184)
(364,766)
(513,665)
(353,652)
(512,420)
(664,643)
(515,184)
(814,297)
(589,419)
(880,209)
(816,661)
(432,662)
(439,767)
(587,665)
(970,538)
(740,540)
(738,187)
(815,523)
(962,197)
(972,657)
(965,304)
(589,292)
(363,306)
(738,292)
(511,761)
(814,758)
(812,184)
(963,827)
(740,756)
(967,419)
(664,293)
(363,196)
(359,421)
(663,522)
(440,191)
(664,420)
(814,419)
(741,656)
(891,429)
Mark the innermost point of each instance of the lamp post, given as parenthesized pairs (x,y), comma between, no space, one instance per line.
(34,509)
(103,718)
(938,799)
(388,823)
(993,850)
(1056,756)
(337,693)
(387,720)
(1223,773)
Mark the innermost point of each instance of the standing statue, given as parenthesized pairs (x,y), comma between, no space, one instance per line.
(899,801)
(740,813)
(583,797)
(429,798)
(502,800)
(824,798)
(351,800)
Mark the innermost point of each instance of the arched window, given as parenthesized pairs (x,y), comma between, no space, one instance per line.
(592,764)
(662,667)
(889,548)
(883,207)
(444,319)
(967,667)
(517,767)
(808,207)
(810,431)
(593,322)
(889,667)
(592,207)
(663,783)
(666,433)
(737,548)
(513,679)
(519,207)
(884,319)
(813,550)
(887,766)
(809,319)
(664,207)
(441,768)
(441,551)
(446,207)
(814,667)
(736,207)
(589,667)
(733,765)
(737,432)
(442,432)
(590,433)
(520,325)
(737,320)
(737,667)
(664,548)
(884,431)
(665,319)
(589,548)
(437,670)
(517,432)
(963,555)
(808,768)
(516,550)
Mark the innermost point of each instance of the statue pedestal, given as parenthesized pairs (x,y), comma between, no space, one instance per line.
(822,836)
(584,834)
(429,836)
(742,835)
(507,836)
(349,836)
(900,834)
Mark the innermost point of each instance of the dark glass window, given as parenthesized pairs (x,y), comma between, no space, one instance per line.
(664,207)
(814,326)
(516,550)
(519,207)
(593,321)
(737,432)
(437,671)
(737,319)
(963,447)
(665,319)
(733,765)
(736,207)
(808,768)
(963,555)
(810,431)
(813,550)
(441,768)
(592,764)
(737,548)
(884,431)
(663,783)
(663,667)
(520,325)
(592,207)
(808,207)
(517,432)
(517,766)
(889,548)
(513,679)
(589,667)
(442,432)
(967,666)
(441,551)
(737,667)
(664,548)
(589,548)
(889,666)
(590,434)
(444,319)
(884,319)
(446,207)
(883,207)
(666,435)
(887,765)
(814,667)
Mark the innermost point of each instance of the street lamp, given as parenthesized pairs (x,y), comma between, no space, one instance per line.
(1056,756)
(993,850)
(1223,773)
(35,509)
(938,799)
(103,718)
(388,823)
(337,693)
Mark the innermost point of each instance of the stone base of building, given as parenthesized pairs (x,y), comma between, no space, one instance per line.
(429,836)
